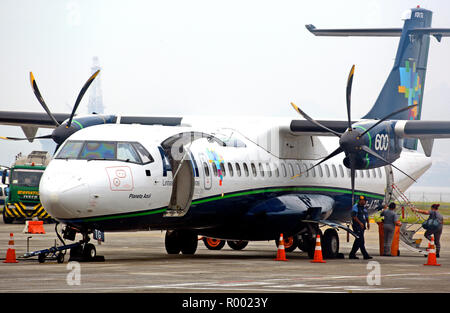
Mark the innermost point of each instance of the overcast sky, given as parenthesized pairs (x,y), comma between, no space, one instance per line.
(211,57)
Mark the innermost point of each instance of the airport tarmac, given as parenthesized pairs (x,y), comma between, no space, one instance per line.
(137,262)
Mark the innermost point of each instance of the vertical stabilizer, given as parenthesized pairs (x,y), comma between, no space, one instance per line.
(405,83)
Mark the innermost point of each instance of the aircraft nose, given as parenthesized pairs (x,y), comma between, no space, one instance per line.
(64,197)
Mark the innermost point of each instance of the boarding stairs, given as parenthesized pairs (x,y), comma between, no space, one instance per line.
(412,221)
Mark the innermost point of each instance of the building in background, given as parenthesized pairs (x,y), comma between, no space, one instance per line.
(95,104)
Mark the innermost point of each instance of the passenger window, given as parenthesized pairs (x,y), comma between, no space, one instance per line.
(374,173)
(380,174)
(269,170)
(313,171)
(222,168)
(246,169)
(320,170)
(327,170)
(238,169)
(214,167)
(277,171)
(341,170)
(146,157)
(305,170)
(206,169)
(283,169)
(230,169)
(261,169)
(253,169)
(291,169)
(362,173)
(99,151)
(333,167)
(125,152)
(368,173)
(71,150)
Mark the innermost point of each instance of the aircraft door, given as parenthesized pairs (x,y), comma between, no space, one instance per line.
(181,160)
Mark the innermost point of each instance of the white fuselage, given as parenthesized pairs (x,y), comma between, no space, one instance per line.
(78,188)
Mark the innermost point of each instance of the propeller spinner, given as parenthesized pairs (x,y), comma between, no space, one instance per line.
(352,142)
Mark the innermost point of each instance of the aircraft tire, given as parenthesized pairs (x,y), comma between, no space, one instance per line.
(330,244)
(189,242)
(172,242)
(237,244)
(89,252)
(213,244)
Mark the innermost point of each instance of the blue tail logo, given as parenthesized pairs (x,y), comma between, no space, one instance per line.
(410,86)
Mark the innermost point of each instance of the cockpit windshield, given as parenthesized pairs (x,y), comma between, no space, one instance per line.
(132,152)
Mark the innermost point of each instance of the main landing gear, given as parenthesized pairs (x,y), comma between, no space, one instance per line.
(181,240)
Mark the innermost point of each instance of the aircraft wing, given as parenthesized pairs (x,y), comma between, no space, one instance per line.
(30,119)
(309,129)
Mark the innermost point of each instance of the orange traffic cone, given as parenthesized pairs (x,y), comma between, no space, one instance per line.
(318,252)
(432,254)
(11,253)
(281,254)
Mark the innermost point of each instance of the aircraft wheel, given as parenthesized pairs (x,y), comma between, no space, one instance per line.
(290,243)
(330,244)
(237,244)
(213,244)
(172,242)
(189,242)
(89,252)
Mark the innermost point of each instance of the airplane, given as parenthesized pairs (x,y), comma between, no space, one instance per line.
(242,178)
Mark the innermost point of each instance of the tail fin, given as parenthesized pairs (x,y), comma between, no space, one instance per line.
(405,83)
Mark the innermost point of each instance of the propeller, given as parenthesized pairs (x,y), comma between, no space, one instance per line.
(61,132)
(350,141)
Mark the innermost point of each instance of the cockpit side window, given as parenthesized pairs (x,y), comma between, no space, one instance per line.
(126,152)
(146,157)
(71,150)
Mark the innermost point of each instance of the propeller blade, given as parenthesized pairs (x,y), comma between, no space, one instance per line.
(348,96)
(332,154)
(40,99)
(80,96)
(307,117)
(370,151)
(31,138)
(388,116)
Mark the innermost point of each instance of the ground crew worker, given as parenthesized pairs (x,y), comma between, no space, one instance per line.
(360,218)
(437,232)
(389,222)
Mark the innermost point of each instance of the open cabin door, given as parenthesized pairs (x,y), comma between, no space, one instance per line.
(177,149)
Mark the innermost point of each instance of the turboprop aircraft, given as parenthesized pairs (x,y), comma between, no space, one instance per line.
(244,178)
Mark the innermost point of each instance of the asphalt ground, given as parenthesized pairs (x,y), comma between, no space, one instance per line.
(136,262)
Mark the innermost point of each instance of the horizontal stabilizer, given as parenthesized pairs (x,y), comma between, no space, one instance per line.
(375,32)
(438,33)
